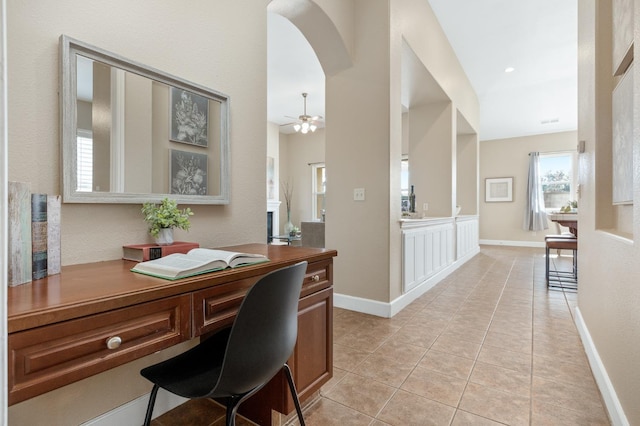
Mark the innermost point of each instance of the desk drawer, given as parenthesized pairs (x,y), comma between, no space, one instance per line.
(215,308)
(319,275)
(49,357)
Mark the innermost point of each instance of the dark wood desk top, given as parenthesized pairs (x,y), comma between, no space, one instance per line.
(91,288)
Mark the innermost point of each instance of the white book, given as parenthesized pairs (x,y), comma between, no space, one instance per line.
(196,261)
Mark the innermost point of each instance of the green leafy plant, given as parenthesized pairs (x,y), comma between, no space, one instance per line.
(165,215)
(569,206)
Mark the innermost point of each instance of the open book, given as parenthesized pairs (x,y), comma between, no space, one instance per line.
(196,261)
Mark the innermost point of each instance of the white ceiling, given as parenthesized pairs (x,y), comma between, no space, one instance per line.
(292,69)
(536,37)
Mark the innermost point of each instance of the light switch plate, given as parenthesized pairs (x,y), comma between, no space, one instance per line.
(358,194)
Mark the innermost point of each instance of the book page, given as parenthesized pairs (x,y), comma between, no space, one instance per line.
(207,255)
(227,256)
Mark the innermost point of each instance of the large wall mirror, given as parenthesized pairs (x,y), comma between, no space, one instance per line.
(132,134)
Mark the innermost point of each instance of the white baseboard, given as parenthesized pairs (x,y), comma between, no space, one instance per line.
(132,413)
(389,309)
(512,243)
(612,403)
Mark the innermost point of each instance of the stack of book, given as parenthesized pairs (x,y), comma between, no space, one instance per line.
(144,252)
(34,234)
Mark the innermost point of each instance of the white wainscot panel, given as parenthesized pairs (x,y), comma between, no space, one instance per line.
(466,235)
(427,247)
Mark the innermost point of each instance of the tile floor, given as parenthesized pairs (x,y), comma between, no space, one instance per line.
(488,345)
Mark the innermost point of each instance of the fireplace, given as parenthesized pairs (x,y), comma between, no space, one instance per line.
(273,221)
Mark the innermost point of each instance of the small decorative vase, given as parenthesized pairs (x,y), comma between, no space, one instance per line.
(165,237)
(288,226)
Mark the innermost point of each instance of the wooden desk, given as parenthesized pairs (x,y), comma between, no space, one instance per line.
(59,327)
(570,220)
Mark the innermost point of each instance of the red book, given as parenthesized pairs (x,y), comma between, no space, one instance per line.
(144,252)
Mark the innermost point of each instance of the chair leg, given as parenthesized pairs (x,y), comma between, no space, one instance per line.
(152,402)
(547,265)
(233,403)
(294,393)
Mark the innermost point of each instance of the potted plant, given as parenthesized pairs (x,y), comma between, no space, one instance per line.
(570,207)
(163,217)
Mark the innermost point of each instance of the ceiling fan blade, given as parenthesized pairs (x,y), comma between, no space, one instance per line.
(293,118)
(316,117)
(287,124)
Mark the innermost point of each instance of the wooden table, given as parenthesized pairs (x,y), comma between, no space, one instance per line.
(570,220)
(63,328)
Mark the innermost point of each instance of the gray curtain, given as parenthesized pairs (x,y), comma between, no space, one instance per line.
(535,218)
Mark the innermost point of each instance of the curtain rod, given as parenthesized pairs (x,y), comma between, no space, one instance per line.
(317,162)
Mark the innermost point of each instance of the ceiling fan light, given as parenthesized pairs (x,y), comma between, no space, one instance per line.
(313,127)
(296,127)
(305,127)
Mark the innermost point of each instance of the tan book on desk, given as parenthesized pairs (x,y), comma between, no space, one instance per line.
(196,261)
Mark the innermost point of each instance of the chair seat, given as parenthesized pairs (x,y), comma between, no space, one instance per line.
(562,243)
(194,373)
(563,235)
(557,278)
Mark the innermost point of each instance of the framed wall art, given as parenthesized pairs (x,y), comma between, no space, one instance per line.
(188,172)
(498,190)
(189,117)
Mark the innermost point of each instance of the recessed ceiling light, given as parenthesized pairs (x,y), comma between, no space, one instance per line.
(509,69)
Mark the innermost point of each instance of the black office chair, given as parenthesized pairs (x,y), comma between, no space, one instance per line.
(238,361)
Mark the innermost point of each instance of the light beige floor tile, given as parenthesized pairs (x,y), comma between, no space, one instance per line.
(387,370)
(448,364)
(458,347)
(403,352)
(435,386)
(347,358)
(361,341)
(338,374)
(501,378)
(409,409)
(553,415)
(362,394)
(517,361)
(326,412)
(574,373)
(496,405)
(462,418)
(571,397)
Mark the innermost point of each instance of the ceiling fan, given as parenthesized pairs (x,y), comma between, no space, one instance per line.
(305,123)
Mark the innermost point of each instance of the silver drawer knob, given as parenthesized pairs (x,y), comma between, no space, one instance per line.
(114,342)
(315,278)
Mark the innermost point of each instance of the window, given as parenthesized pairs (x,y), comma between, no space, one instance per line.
(319,183)
(84,160)
(557,177)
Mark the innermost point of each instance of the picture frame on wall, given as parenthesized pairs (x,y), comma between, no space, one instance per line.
(188,172)
(498,190)
(189,117)
(622,140)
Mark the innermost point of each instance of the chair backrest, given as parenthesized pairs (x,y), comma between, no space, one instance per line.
(312,234)
(264,332)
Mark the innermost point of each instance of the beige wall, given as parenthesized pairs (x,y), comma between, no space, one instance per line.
(608,264)
(229,55)
(502,222)
(364,140)
(302,151)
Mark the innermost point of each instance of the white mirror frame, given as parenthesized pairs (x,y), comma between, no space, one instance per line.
(69,48)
